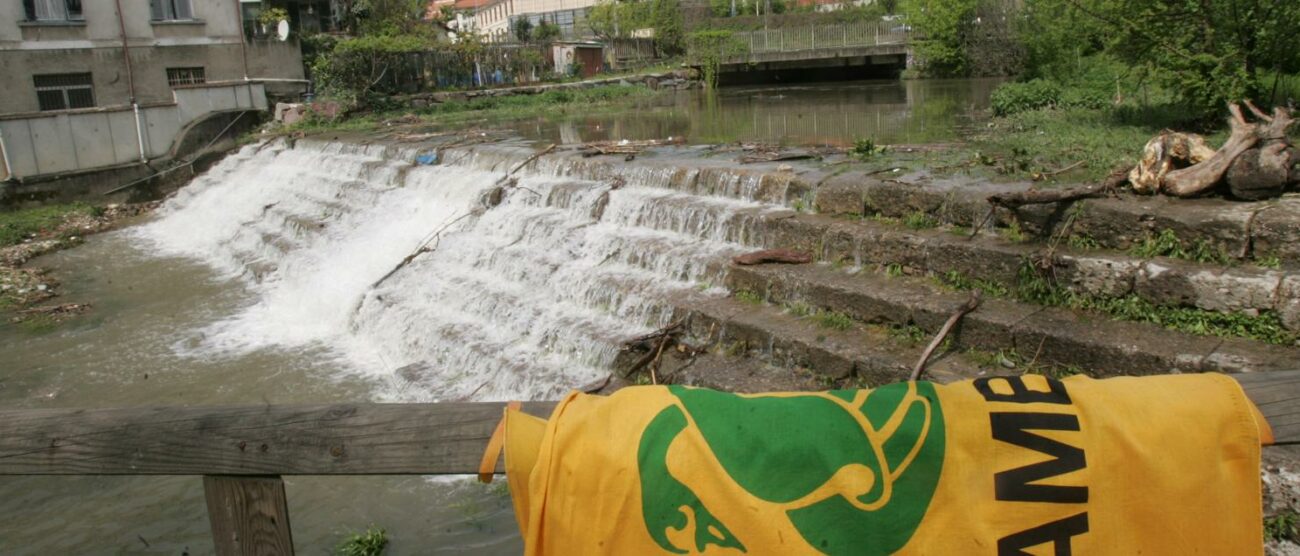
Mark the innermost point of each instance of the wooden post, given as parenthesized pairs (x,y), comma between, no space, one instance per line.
(249,515)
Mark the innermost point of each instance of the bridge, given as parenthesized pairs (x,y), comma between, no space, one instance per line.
(862,45)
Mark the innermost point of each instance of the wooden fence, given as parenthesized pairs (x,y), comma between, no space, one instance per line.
(241,452)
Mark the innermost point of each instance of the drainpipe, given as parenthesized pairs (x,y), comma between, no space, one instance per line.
(243,50)
(130,82)
(4,155)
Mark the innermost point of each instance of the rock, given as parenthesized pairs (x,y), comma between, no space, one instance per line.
(783,256)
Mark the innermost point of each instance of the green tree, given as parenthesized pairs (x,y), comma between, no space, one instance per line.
(944,25)
(666,19)
(523,29)
(546,32)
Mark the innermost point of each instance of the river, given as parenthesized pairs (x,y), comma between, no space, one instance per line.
(263,282)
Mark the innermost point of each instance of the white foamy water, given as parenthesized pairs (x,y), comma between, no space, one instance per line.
(527,299)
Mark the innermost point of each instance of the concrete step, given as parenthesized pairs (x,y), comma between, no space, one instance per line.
(848,353)
(1079,339)
(1165,281)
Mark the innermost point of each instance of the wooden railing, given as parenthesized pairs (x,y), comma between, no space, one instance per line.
(813,37)
(241,452)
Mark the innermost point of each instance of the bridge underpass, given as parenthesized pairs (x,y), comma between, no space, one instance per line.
(831,52)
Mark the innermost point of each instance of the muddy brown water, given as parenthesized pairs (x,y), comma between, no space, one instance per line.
(139,346)
(887,112)
(131,350)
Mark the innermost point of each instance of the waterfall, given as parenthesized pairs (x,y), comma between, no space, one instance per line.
(522,299)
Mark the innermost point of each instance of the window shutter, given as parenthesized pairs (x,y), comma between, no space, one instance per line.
(156,10)
(183,10)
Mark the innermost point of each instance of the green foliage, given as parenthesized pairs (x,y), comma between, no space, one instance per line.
(748,296)
(18,225)
(1034,287)
(1082,242)
(866,147)
(1013,232)
(546,32)
(945,25)
(798,309)
(709,49)
(666,20)
(918,220)
(1269,261)
(910,334)
(614,19)
(834,320)
(272,16)
(522,29)
(893,270)
(1036,94)
(1167,244)
(371,542)
(1282,527)
(1206,53)
(958,281)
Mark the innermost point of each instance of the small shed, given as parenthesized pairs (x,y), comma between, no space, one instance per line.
(587,58)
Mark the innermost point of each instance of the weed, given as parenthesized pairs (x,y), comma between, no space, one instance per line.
(1082,242)
(750,297)
(907,333)
(961,231)
(1013,232)
(918,220)
(956,280)
(1167,244)
(834,320)
(1282,526)
(38,324)
(798,205)
(798,309)
(1269,261)
(371,542)
(893,270)
(735,349)
(865,148)
(1267,326)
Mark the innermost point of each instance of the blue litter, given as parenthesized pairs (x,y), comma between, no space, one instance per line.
(427,159)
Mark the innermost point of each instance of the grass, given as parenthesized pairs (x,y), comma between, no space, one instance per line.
(1269,261)
(1082,242)
(1013,232)
(550,103)
(893,270)
(798,309)
(1012,359)
(750,297)
(370,542)
(1282,526)
(1043,141)
(18,225)
(910,334)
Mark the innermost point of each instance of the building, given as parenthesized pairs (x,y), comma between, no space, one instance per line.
(495,19)
(77,71)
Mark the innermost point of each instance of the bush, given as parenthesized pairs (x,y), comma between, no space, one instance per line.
(1013,98)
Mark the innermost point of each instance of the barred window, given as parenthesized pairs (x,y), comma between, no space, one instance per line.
(168,10)
(61,91)
(185,76)
(52,10)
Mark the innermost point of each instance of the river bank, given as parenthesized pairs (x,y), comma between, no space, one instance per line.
(26,234)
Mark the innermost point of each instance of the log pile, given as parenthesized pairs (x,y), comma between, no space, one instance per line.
(1256,162)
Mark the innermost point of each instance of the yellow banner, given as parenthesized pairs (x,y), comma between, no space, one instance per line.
(1007,465)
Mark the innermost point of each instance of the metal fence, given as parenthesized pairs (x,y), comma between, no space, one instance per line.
(834,35)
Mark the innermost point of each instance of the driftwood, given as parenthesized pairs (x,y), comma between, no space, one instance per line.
(783,256)
(653,345)
(1256,161)
(970,305)
(1040,196)
(624,147)
(776,157)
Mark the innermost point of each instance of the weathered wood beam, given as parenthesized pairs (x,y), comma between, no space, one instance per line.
(249,516)
(348,439)
(345,439)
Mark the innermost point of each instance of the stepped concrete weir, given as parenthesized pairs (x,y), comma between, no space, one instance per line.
(499,274)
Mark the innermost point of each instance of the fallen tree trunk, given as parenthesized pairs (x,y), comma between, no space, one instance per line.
(1199,178)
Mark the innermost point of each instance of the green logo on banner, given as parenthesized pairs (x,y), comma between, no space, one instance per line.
(785,450)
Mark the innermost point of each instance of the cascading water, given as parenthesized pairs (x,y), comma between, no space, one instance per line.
(525,298)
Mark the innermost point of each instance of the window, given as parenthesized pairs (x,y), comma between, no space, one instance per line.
(52,10)
(185,76)
(169,10)
(61,91)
